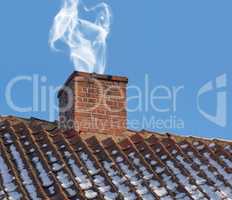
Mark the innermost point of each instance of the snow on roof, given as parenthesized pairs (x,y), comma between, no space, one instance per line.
(38,161)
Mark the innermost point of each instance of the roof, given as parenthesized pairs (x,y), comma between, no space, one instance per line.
(39,161)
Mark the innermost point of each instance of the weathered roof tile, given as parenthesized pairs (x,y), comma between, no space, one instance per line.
(39,161)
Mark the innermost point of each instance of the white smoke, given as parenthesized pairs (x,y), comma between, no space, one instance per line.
(86,39)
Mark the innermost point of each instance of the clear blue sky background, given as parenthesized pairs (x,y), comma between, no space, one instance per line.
(175,42)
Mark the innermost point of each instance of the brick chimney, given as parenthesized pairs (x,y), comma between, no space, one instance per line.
(94,103)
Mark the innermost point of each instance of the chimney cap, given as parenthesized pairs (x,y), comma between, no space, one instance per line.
(94,76)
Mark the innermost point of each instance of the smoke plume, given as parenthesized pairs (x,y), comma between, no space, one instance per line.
(86,39)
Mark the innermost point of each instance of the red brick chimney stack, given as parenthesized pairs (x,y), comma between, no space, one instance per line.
(94,103)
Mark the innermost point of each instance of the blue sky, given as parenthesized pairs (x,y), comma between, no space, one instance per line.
(175,43)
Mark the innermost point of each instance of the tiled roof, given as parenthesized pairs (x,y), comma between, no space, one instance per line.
(38,161)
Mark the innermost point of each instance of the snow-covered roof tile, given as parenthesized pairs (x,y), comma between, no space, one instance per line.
(39,161)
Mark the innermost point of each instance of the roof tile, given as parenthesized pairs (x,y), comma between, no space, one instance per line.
(39,161)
